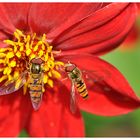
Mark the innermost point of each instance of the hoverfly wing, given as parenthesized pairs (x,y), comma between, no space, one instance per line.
(73,106)
(10,86)
(94,76)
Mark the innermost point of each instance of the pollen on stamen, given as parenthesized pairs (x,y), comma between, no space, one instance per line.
(21,50)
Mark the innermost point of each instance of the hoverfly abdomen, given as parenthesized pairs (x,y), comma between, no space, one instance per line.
(81,87)
(35,97)
(35,91)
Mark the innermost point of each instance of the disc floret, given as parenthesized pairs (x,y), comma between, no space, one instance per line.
(23,48)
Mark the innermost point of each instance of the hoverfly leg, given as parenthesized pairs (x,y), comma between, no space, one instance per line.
(27,66)
(64,79)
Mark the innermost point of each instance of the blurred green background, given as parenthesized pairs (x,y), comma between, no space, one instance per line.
(128,62)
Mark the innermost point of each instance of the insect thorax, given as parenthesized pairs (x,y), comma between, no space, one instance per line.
(35,76)
(75,74)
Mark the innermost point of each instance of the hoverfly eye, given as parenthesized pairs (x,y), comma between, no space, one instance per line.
(35,68)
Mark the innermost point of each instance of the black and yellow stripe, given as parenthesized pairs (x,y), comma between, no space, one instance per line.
(81,87)
(35,91)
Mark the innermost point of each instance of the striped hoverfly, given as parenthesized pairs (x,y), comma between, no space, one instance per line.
(81,82)
(33,78)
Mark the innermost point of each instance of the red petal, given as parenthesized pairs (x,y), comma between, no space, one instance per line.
(53,18)
(54,119)
(131,39)
(138,5)
(14,15)
(3,36)
(111,94)
(14,114)
(133,35)
(5,23)
(101,31)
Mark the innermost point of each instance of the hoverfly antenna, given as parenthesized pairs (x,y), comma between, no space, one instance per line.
(69,64)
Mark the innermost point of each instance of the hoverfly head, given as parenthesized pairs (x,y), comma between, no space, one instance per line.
(36,65)
(69,67)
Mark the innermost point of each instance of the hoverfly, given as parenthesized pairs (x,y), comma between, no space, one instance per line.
(77,81)
(33,76)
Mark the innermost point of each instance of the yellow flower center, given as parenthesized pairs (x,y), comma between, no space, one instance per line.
(23,48)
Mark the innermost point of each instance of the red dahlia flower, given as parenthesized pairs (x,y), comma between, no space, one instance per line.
(134,34)
(58,33)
